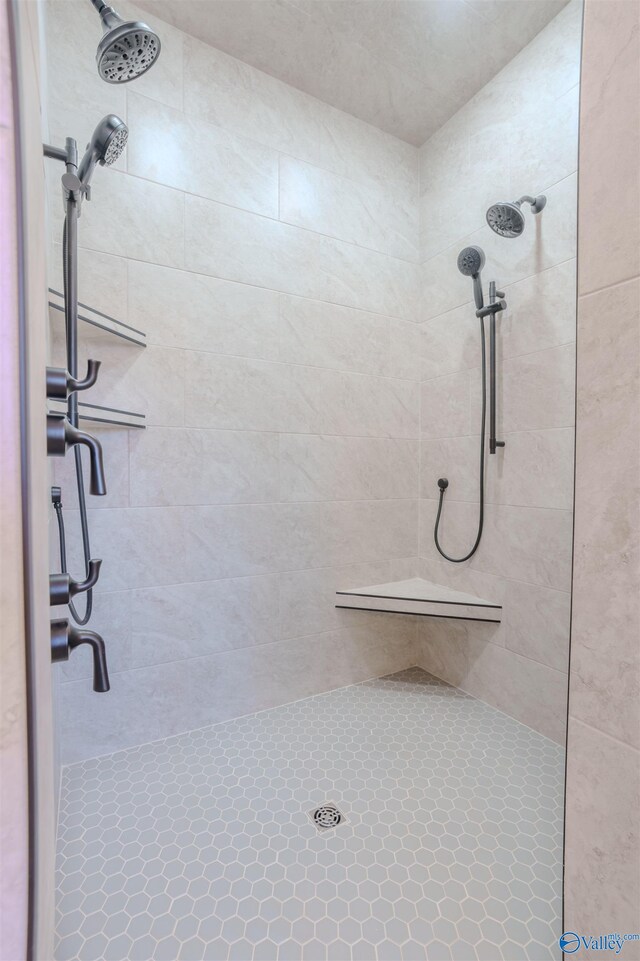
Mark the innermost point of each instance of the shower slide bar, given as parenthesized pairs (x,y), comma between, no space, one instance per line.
(495,305)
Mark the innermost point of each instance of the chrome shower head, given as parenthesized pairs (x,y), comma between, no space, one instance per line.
(507,219)
(107,143)
(470,262)
(127,49)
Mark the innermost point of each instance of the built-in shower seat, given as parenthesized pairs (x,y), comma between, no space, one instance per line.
(419,596)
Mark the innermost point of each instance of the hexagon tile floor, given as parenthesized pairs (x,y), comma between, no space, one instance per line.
(201,846)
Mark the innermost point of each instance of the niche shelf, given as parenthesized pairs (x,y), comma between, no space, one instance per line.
(422,597)
(99,414)
(99,321)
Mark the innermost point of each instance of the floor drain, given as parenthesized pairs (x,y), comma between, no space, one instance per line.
(327,816)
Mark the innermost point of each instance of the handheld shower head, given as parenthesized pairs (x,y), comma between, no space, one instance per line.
(471,260)
(127,49)
(507,219)
(107,143)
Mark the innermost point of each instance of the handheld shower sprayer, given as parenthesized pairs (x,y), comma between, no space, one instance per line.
(107,142)
(127,49)
(471,260)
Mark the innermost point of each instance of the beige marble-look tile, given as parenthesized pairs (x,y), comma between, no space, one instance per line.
(238,245)
(213,616)
(457,459)
(455,196)
(346,147)
(605,657)
(602,844)
(168,147)
(609,238)
(165,82)
(338,533)
(132,218)
(451,342)
(556,127)
(308,598)
(234,393)
(537,623)
(528,544)
(139,547)
(148,381)
(115,448)
(177,308)
(444,406)
(228,92)
(538,390)
(316,467)
(233,541)
(102,286)
(332,402)
(171,466)
(403,353)
(236,96)
(528,690)
(541,311)
(319,334)
(366,214)
(534,469)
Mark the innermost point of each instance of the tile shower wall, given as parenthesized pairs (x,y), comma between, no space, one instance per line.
(602,878)
(268,244)
(517,136)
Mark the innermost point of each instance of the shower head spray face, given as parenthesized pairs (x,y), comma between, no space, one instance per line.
(470,263)
(107,143)
(507,219)
(127,49)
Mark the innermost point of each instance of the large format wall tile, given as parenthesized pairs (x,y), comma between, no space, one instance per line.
(237,245)
(237,171)
(602,841)
(178,308)
(140,547)
(225,91)
(175,466)
(609,182)
(132,218)
(213,616)
(316,467)
(605,654)
(369,215)
(538,390)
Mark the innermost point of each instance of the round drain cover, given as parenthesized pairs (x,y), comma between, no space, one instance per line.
(327,816)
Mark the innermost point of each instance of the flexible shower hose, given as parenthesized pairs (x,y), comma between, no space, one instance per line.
(459,560)
(69,281)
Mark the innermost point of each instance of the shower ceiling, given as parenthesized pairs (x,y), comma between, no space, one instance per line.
(404,66)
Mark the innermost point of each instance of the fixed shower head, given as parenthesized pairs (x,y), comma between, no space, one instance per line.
(507,219)
(470,263)
(127,49)
(107,143)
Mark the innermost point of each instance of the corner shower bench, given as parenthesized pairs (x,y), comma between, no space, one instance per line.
(419,596)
